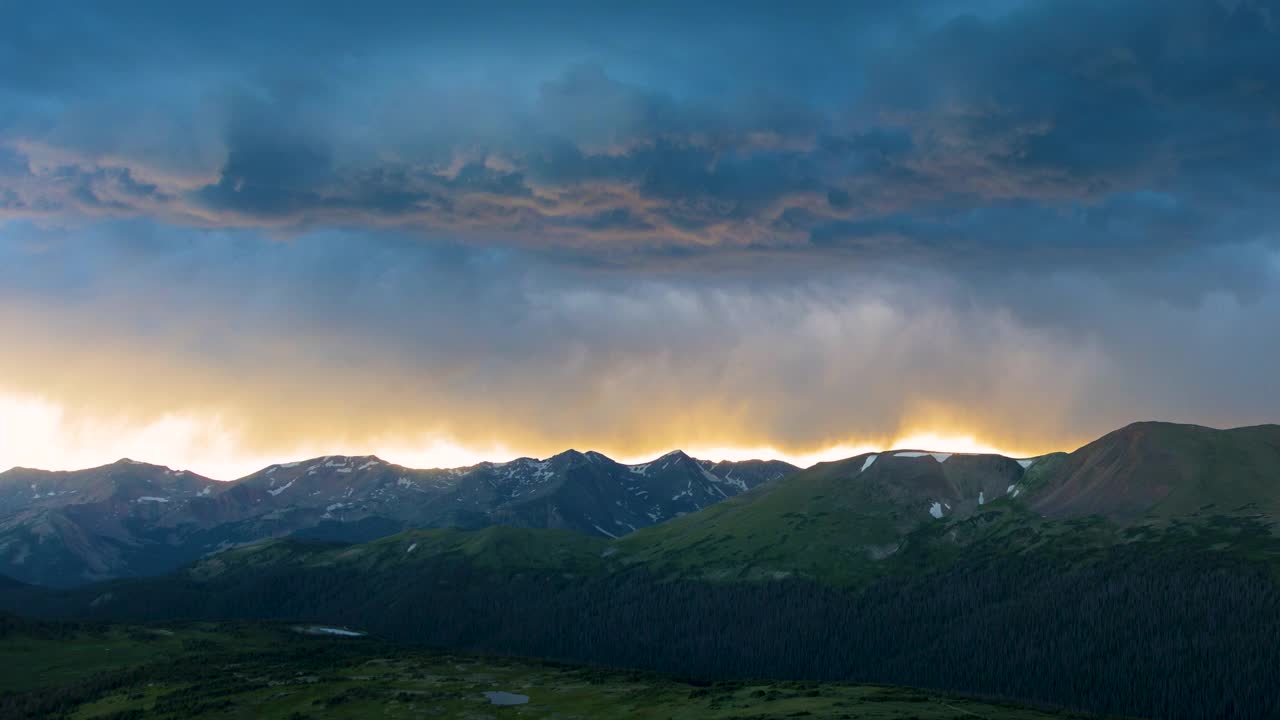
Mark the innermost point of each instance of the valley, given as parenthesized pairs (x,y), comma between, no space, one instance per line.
(273,671)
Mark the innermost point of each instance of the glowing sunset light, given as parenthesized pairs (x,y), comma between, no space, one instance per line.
(38,434)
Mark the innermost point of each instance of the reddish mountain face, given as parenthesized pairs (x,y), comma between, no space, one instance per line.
(1162,470)
(83,525)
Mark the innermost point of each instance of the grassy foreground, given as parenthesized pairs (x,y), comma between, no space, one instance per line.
(273,671)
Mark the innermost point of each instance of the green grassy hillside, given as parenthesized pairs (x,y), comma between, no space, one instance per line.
(837,521)
(501,550)
(851,521)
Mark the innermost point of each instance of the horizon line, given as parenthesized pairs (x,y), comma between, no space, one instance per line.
(834,453)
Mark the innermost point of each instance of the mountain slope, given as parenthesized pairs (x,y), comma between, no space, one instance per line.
(66,527)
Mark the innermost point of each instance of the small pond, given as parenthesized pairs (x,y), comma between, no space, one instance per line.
(500,697)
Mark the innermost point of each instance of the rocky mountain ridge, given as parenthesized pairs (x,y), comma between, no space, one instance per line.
(134,518)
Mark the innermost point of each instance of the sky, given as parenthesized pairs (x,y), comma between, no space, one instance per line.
(232,235)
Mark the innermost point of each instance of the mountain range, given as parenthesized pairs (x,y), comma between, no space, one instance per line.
(744,520)
(131,518)
(1137,575)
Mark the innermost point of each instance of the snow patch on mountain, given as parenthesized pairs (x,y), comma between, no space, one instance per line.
(715,481)
(940,457)
(687,492)
(728,479)
(867,463)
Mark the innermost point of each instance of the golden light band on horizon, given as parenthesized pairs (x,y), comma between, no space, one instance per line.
(38,434)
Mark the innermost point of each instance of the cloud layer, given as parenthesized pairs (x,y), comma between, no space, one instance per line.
(729,225)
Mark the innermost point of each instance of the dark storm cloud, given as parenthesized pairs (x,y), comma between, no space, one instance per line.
(1090,97)
(878,119)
